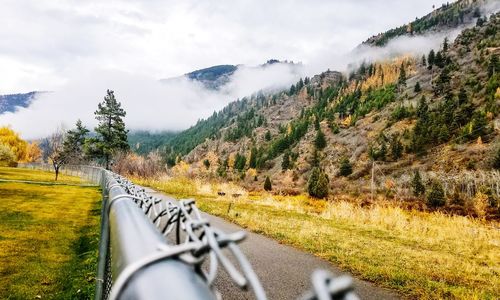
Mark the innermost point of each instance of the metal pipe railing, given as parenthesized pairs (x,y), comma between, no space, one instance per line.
(134,239)
(136,261)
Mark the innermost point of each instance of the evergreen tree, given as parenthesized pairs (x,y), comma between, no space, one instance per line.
(496,160)
(74,141)
(345,168)
(396,147)
(111,133)
(445,45)
(417,186)
(439,59)
(382,153)
(252,163)
(268,136)
(317,185)
(435,198)
(285,164)
(424,61)
(206,163)
(430,58)
(320,141)
(239,162)
(267,184)
(417,88)
(402,75)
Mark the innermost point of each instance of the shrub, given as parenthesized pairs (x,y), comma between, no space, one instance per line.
(417,186)
(496,160)
(7,157)
(480,203)
(206,163)
(320,141)
(345,167)
(317,185)
(435,198)
(267,184)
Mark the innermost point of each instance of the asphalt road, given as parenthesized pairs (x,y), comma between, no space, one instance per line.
(283,270)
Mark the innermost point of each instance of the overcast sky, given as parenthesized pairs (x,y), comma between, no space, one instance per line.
(44,42)
(77,49)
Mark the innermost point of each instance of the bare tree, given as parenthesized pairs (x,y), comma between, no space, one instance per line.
(53,148)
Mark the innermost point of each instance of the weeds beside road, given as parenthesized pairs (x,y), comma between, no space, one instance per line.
(420,254)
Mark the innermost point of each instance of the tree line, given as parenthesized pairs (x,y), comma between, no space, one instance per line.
(80,145)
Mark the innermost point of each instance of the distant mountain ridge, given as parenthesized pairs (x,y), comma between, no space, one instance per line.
(448,16)
(215,77)
(11,102)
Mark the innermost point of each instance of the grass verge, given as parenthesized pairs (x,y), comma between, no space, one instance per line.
(36,175)
(48,238)
(422,255)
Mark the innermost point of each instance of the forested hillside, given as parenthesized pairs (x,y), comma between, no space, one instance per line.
(375,126)
(448,16)
(9,103)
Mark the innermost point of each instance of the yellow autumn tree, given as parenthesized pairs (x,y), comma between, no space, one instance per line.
(33,152)
(11,139)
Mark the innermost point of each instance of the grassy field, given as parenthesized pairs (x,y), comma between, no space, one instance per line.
(421,255)
(35,175)
(48,237)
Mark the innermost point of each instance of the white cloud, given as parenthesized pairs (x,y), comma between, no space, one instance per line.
(78,49)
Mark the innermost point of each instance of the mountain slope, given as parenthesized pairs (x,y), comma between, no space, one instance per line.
(448,16)
(448,124)
(10,103)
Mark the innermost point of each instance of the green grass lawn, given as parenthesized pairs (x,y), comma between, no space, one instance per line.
(36,175)
(48,237)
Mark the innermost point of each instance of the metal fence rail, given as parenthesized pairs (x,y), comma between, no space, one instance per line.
(155,249)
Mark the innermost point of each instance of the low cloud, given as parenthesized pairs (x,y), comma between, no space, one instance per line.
(127,45)
(150,104)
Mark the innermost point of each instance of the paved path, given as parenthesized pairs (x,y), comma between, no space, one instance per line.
(283,270)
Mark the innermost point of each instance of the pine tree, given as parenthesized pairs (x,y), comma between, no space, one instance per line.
(111,133)
(252,163)
(317,185)
(320,141)
(285,164)
(435,198)
(74,142)
(402,75)
(268,136)
(424,61)
(430,58)
(417,185)
(496,160)
(240,162)
(267,184)
(445,45)
(345,168)
(439,60)
(417,88)
(206,163)
(396,147)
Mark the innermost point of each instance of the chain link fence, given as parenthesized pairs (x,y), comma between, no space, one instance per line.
(151,248)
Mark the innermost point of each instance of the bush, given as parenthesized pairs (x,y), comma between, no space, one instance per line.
(435,198)
(7,157)
(267,184)
(496,160)
(345,167)
(417,186)
(320,141)
(317,185)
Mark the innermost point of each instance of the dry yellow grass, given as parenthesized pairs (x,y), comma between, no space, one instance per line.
(424,255)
